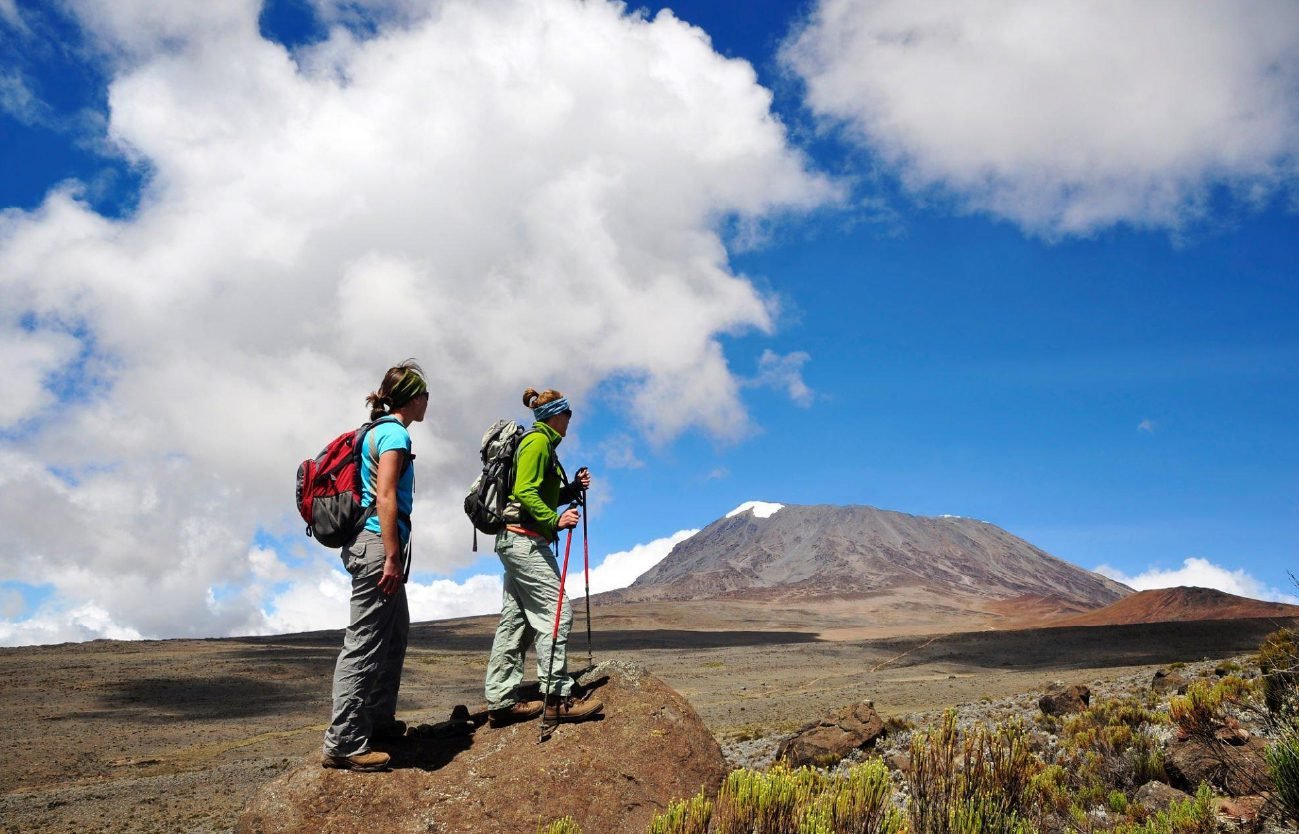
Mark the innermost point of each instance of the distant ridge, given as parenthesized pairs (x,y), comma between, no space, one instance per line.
(1180,604)
(790,552)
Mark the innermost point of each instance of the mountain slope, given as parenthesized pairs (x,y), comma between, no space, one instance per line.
(1180,604)
(852,551)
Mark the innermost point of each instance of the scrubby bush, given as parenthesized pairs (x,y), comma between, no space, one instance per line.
(1203,708)
(563,825)
(806,801)
(686,816)
(1190,816)
(1111,744)
(765,803)
(1283,765)
(980,779)
(1278,661)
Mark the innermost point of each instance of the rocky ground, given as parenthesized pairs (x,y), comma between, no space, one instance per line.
(175,736)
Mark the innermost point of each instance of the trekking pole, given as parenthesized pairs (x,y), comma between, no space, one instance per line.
(546,730)
(586,569)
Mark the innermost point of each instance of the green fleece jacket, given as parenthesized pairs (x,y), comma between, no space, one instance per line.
(538,483)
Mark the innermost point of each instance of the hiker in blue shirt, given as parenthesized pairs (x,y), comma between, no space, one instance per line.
(368,673)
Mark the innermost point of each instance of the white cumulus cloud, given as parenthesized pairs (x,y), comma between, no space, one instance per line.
(1201,573)
(785,373)
(551,169)
(1064,117)
(618,570)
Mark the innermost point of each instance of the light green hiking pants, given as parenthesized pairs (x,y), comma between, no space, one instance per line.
(531,588)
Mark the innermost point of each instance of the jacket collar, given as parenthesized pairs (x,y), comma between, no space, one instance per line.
(553,436)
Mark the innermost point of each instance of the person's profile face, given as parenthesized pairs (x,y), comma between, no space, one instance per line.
(420,401)
(560,422)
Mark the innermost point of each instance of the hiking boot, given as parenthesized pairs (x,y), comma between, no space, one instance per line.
(390,730)
(364,762)
(565,709)
(514,713)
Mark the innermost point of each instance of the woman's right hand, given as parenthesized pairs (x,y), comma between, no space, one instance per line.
(568,520)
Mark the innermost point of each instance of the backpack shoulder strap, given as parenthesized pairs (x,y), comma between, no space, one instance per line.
(372,449)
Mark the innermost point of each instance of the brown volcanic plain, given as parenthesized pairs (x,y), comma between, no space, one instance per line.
(175,736)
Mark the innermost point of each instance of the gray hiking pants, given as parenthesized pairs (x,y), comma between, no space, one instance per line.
(527,618)
(368,673)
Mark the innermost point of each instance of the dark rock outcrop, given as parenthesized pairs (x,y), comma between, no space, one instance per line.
(825,742)
(1234,769)
(610,776)
(1062,700)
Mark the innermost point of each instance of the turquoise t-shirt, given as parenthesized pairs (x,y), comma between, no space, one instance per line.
(385,437)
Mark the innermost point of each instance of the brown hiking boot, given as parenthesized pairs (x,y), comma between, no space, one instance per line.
(514,713)
(364,762)
(566,709)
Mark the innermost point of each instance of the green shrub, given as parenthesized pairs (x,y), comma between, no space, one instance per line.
(1190,816)
(1283,764)
(1199,711)
(982,778)
(686,816)
(806,801)
(563,825)
(1278,661)
(1050,787)
(773,802)
(860,801)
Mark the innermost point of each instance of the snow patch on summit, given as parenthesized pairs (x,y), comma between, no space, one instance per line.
(761,509)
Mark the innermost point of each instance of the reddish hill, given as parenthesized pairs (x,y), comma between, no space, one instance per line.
(1178,604)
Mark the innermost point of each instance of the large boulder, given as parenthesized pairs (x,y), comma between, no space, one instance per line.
(1234,769)
(828,740)
(1062,700)
(610,776)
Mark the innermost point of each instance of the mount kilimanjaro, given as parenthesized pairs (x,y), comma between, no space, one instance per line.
(790,552)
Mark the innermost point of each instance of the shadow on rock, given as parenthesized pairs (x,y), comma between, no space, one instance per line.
(430,747)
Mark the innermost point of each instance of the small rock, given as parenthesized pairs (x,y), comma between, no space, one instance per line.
(827,741)
(1165,681)
(1231,733)
(1241,811)
(1156,796)
(901,762)
(1062,700)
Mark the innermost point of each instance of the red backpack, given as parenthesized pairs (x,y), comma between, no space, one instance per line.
(329,488)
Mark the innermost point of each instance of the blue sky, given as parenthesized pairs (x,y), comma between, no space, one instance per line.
(1034,266)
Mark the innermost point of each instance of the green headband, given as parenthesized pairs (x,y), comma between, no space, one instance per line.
(410,387)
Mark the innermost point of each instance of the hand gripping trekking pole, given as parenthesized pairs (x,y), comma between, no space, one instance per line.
(546,729)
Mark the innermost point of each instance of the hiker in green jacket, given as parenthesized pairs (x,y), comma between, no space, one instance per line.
(531,583)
